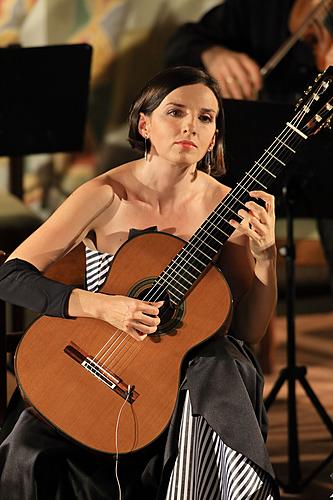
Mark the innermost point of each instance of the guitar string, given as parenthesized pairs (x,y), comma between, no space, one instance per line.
(244,188)
(247,184)
(300,117)
(227,207)
(273,149)
(109,351)
(132,355)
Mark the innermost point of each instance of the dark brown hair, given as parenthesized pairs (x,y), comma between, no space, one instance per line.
(153,94)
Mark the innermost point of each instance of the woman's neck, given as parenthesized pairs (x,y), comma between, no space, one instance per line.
(165,186)
(166,179)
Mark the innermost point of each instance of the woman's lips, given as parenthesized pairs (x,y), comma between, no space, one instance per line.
(187,144)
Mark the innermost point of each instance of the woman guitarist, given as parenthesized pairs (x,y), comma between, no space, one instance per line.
(214,446)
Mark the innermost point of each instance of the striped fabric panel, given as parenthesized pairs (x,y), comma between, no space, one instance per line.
(97,268)
(207,469)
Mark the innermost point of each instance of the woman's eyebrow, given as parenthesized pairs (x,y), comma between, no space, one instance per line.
(205,110)
(175,104)
(209,110)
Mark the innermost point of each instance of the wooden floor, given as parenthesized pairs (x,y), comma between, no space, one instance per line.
(314,350)
(314,341)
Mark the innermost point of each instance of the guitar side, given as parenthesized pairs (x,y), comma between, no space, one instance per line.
(145,375)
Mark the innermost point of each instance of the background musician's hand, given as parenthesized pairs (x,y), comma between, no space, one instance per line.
(237,74)
(259,225)
(322,45)
(316,33)
(135,317)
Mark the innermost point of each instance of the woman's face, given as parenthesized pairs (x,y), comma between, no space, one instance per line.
(182,128)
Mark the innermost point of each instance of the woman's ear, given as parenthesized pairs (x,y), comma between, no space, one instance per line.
(212,142)
(143,125)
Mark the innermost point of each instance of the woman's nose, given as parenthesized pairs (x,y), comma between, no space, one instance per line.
(189,127)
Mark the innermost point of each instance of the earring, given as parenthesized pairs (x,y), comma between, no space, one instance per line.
(146,149)
(208,161)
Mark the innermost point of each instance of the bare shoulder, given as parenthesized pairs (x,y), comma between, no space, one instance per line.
(67,226)
(100,192)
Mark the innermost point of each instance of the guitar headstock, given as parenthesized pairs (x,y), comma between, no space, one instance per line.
(315,109)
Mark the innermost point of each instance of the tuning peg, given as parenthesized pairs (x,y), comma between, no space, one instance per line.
(328,124)
(318,77)
(308,90)
(299,102)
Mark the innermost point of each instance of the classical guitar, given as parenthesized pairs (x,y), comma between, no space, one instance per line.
(100,387)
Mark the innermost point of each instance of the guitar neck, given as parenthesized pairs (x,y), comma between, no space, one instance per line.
(197,254)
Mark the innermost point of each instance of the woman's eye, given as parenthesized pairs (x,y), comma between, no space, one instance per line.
(206,118)
(175,112)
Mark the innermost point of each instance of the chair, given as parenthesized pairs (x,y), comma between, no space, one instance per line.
(69,270)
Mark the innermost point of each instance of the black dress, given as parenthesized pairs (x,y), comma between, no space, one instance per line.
(213,448)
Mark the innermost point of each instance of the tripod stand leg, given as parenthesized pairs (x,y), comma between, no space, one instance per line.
(316,403)
(275,389)
(294,472)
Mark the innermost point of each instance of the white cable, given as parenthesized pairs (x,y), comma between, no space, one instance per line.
(117,451)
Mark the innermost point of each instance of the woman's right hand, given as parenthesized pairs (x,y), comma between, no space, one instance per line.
(135,317)
(237,74)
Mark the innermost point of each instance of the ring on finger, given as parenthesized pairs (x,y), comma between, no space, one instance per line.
(230,79)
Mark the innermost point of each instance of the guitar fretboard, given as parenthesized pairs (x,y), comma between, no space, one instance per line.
(197,254)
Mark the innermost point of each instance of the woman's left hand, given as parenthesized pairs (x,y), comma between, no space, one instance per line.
(259,225)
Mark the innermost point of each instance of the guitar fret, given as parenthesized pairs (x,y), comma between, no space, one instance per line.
(239,201)
(170,277)
(170,269)
(242,187)
(196,249)
(228,208)
(264,168)
(221,230)
(218,228)
(175,294)
(209,221)
(205,242)
(256,180)
(187,262)
(286,145)
(275,157)
(187,271)
(192,255)
(174,297)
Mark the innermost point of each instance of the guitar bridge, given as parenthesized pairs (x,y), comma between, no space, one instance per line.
(103,374)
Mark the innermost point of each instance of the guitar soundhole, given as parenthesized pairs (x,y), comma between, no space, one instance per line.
(171,315)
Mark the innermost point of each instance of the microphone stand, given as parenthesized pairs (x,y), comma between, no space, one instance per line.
(293,373)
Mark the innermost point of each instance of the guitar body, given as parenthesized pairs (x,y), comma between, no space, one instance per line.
(144,382)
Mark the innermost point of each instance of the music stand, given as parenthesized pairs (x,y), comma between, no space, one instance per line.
(43,102)
(251,124)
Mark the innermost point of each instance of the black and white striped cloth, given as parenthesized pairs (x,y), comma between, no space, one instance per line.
(97,268)
(205,468)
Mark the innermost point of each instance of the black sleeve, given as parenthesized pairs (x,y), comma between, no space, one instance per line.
(23,284)
(222,25)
